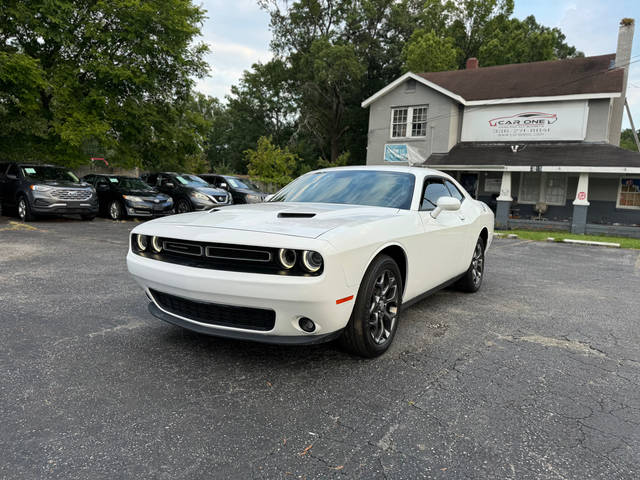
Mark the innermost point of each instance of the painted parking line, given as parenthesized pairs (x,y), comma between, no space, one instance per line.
(513,244)
(637,269)
(15,226)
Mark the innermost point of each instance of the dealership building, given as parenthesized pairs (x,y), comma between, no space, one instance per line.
(537,141)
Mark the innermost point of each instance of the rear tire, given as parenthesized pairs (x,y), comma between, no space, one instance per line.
(375,315)
(472,279)
(24,209)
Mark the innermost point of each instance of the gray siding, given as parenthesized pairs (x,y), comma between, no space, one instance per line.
(442,122)
(598,121)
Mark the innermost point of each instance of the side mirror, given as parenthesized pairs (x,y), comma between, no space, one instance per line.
(224,185)
(168,185)
(446,203)
(11,176)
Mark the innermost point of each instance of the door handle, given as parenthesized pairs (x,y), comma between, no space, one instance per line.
(461,217)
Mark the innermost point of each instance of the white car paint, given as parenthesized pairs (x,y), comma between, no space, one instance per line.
(348,237)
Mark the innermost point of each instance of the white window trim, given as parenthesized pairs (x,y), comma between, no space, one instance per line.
(624,207)
(409,121)
(540,192)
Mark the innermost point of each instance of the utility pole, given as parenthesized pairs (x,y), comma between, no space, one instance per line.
(633,127)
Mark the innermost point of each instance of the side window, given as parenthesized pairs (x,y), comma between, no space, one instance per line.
(13,170)
(453,190)
(151,179)
(3,168)
(434,189)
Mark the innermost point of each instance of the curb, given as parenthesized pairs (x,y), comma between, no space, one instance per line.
(584,242)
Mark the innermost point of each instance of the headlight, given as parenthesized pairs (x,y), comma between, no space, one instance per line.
(200,196)
(142,242)
(252,198)
(156,244)
(287,257)
(41,188)
(311,260)
(132,198)
(169,200)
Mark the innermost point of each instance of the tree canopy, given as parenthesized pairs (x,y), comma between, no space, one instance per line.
(108,77)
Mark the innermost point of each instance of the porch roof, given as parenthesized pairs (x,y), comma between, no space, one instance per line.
(536,156)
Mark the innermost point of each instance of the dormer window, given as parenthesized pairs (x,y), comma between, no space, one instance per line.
(409,121)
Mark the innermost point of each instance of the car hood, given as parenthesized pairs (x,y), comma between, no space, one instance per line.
(141,193)
(309,220)
(211,190)
(60,183)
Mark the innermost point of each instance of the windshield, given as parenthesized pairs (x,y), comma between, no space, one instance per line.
(352,187)
(130,183)
(237,183)
(46,173)
(192,180)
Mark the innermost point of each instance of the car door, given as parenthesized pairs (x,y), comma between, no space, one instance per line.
(11,185)
(468,215)
(3,169)
(443,236)
(103,190)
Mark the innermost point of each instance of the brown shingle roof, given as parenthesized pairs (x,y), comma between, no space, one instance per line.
(537,79)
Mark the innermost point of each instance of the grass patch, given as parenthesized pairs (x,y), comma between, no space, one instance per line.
(559,236)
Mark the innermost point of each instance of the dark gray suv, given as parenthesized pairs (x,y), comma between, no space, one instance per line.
(189,192)
(31,189)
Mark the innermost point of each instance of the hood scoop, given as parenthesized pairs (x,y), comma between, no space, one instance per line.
(295,215)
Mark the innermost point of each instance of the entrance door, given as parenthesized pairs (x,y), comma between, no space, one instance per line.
(469,182)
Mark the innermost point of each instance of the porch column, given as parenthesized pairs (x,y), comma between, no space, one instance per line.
(504,202)
(581,205)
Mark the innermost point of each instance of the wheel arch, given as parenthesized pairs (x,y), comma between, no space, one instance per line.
(399,255)
(484,234)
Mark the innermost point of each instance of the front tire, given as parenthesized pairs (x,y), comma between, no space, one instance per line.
(472,279)
(24,209)
(116,210)
(183,206)
(375,315)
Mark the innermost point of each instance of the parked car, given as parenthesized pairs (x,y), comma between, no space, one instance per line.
(120,196)
(339,252)
(242,191)
(30,190)
(189,192)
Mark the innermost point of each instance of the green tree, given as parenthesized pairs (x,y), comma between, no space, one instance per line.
(428,52)
(102,76)
(272,164)
(261,104)
(627,141)
(481,29)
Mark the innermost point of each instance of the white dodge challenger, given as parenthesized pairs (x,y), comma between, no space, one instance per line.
(338,252)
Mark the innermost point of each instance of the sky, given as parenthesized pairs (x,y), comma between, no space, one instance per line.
(237,32)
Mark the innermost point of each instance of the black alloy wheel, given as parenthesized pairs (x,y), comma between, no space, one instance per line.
(183,206)
(375,315)
(472,279)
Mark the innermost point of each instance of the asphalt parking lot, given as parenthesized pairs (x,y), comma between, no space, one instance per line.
(536,376)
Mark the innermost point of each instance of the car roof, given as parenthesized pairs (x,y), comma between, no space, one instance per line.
(418,171)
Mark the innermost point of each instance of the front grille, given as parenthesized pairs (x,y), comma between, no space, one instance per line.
(223,256)
(217,314)
(71,194)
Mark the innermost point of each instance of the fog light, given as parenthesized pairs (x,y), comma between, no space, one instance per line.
(307,324)
(142,242)
(287,257)
(156,244)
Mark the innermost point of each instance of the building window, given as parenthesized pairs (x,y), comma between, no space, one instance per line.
(409,122)
(549,188)
(629,193)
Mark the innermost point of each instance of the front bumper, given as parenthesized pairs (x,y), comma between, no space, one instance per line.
(59,207)
(290,297)
(149,209)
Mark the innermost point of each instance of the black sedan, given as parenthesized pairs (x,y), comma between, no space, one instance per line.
(120,196)
(242,190)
